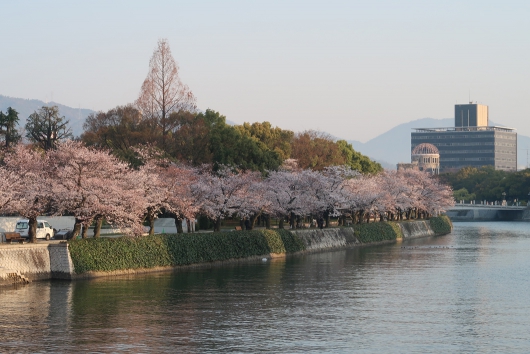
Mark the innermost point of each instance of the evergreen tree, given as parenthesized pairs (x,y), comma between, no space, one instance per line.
(8,130)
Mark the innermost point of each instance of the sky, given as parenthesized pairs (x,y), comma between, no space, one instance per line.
(353,69)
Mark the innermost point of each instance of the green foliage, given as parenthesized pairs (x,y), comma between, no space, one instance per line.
(275,139)
(441,225)
(358,161)
(46,127)
(229,146)
(463,194)
(8,124)
(377,232)
(109,254)
(486,183)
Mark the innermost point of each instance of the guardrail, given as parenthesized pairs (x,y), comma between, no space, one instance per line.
(488,206)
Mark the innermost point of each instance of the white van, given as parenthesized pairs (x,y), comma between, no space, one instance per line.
(44,229)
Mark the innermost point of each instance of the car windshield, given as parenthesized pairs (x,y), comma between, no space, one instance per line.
(22,225)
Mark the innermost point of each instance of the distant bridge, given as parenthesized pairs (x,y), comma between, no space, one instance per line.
(486,212)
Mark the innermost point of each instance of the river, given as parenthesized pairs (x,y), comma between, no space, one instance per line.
(467,292)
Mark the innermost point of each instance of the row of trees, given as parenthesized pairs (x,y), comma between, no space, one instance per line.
(206,138)
(486,183)
(93,185)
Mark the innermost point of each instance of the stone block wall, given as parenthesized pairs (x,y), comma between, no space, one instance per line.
(61,266)
(27,262)
(418,228)
(321,239)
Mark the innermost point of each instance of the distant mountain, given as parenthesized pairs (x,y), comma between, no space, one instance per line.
(25,107)
(393,146)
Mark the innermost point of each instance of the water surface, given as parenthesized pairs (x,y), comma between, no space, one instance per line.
(467,292)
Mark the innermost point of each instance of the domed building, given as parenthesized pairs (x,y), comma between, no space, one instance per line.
(427,157)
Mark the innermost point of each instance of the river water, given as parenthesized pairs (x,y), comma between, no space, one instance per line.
(467,292)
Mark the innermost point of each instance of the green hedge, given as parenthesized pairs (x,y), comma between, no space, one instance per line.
(108,254)
(441,225)
(377,232)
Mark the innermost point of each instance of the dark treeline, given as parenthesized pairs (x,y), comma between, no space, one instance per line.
(486,183)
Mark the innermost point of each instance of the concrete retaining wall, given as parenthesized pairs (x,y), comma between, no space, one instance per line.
(419,228)
(316,239)
(28,262)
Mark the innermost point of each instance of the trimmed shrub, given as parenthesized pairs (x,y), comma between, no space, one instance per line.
(108,254)
(441,225)
(377,232)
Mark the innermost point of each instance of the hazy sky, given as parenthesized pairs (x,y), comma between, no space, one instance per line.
(354,69)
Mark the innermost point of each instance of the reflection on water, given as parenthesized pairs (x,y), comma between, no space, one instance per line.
(466,292)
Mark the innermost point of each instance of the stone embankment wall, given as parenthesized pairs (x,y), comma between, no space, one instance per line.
(316,239)
(322,239)
(419,228)
(27,262)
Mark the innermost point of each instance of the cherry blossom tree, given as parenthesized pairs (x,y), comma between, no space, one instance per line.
(333,193)
(288,195)
(179,200)
(31,189)
(224,193)
(92,184)
(429,195)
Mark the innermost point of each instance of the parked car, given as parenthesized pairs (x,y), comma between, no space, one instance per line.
(44,229)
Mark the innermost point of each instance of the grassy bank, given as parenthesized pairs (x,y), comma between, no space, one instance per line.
(110,254)
(441,225)
(377,232)
(388,231)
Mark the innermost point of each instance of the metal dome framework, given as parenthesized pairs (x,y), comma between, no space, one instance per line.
(427,157)
(425,149)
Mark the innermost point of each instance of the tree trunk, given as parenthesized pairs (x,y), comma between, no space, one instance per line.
(98,221)
(292,221)
(150,217)
(32,232)
(84,231)
(77,228)
(217,227)
(361,216)
(253,219)
(280,223)
(178,224)
(326,217)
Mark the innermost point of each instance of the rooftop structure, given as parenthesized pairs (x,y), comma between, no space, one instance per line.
(471,115)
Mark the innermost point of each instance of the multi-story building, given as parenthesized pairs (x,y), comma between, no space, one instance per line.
(471,142)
